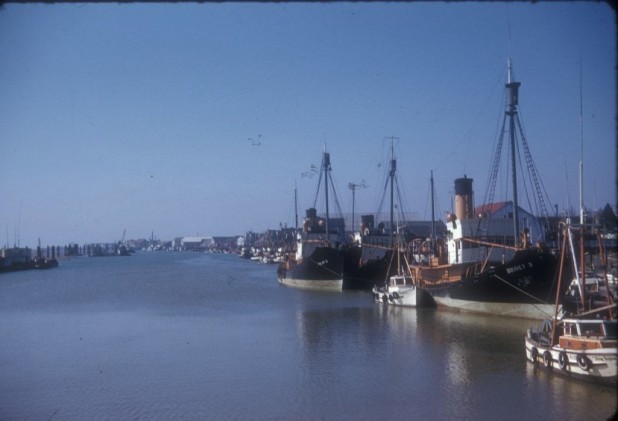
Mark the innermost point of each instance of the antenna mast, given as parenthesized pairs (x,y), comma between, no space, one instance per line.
(295,206)
(581,140)
(433,217)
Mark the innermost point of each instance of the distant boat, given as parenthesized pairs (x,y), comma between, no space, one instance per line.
(317,262)
(18,258)
(40,262)
(583,345)
(488,264)
(122,250)
(15,259)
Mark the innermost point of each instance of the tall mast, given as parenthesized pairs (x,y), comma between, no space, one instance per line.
(295,207)
(392,172)
(353,187)
(581,141)
(433,217)
(326,168)
(513,95)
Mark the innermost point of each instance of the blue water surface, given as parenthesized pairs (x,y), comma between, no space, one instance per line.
(162,335)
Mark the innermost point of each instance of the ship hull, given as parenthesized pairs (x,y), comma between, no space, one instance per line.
(523,287)
(322,270)
(363,273)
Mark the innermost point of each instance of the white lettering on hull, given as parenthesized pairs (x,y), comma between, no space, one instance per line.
(518,268)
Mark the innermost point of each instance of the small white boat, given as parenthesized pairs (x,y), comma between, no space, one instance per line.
(401,288)
(399,291)
(583,348)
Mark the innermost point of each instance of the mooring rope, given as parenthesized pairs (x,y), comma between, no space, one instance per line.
(525,293)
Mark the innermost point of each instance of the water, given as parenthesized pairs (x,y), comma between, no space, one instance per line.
(191,336)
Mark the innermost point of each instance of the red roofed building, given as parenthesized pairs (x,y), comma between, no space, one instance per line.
(504,210)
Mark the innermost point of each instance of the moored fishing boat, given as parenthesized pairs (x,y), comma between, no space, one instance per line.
(369,258)
(582,348)
(317,262)
(401,288)
(582,345)
(488,262)
(470,272)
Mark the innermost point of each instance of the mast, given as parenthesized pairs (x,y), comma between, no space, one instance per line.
(353,187)
(326,166)
(582,265)
(295,207)
(581,141)
(433,217)
(392,172)
(513,95)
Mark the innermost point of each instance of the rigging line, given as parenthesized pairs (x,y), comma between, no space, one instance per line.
(493,172)
(380,199)
(402,206)
(566,170)
(338,206)
(533,171)
(379,212)
(437,204)
(403,199)
(520,173)
(317,192)
(327,269)
(389,267)
(537,202)
(520,290)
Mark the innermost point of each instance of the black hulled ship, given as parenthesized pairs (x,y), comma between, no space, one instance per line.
(494,260)
(317,262)
(369,258)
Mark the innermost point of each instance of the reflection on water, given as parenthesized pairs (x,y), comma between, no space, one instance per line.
(191,336)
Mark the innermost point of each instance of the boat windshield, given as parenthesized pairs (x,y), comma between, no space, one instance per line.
(591,329)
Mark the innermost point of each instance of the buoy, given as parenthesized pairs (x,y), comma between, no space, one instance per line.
(547,360)
(563,360)
(583,362)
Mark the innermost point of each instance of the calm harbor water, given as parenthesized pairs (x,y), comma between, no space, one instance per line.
(191,336)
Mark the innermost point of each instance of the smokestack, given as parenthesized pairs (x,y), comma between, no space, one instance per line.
(464,198)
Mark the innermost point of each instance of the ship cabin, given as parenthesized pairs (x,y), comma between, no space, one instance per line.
(486,233)
(314,233)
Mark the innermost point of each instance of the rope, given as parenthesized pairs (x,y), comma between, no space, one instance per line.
(327,269)
(519,289)
(525,293)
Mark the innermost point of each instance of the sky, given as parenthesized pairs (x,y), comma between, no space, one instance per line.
(188,119)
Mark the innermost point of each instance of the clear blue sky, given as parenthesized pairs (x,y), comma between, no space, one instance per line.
(142,116)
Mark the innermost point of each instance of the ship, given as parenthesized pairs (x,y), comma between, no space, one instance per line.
(40,262)
(494,259)
(369,257)
(401,288)
(317,262)
(583,343)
